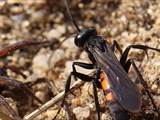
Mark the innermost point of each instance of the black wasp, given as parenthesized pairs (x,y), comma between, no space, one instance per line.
(111,74)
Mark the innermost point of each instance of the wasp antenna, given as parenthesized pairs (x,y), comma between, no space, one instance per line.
(71,17)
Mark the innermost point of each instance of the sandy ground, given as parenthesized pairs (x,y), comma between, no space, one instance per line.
(47,66)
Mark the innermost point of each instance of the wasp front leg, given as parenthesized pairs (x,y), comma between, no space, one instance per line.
(83,65)
(75,74)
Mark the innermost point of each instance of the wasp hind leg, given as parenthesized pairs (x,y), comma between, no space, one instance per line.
(142,81)
(146,87)
(127,63)
(124,56)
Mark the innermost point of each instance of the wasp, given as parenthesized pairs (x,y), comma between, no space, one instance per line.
(111,75)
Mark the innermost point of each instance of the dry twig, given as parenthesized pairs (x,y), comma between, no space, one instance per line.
(50,103)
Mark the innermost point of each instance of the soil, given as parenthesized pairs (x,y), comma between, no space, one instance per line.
(47,67)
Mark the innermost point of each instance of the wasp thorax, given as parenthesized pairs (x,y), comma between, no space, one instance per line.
(84,35)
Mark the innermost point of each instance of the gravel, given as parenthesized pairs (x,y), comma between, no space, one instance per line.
(126,21)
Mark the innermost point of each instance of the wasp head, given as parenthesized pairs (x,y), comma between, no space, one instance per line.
(84,35)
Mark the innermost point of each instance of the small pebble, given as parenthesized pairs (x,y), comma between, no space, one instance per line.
(81,113)
(52,34)
(40,62)
(55,57)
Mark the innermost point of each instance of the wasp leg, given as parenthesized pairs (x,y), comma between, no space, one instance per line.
(76,75)
(96,100)
(96,84)
(116,45)
(142,47)
(143,82)
(127,65)
(83,65)
(81,76)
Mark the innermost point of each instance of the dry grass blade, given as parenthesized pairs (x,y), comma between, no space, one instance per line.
(50,103)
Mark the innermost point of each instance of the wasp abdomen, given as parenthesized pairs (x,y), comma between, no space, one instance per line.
(115,108)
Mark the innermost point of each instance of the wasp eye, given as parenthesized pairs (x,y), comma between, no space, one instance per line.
(79,41)
(79,36)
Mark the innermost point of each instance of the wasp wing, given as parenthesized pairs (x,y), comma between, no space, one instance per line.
(124,90)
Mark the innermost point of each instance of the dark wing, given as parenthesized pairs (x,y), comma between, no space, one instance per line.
(124,90)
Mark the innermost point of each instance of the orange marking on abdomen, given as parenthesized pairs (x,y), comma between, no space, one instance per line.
(104,81)
(106,86)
